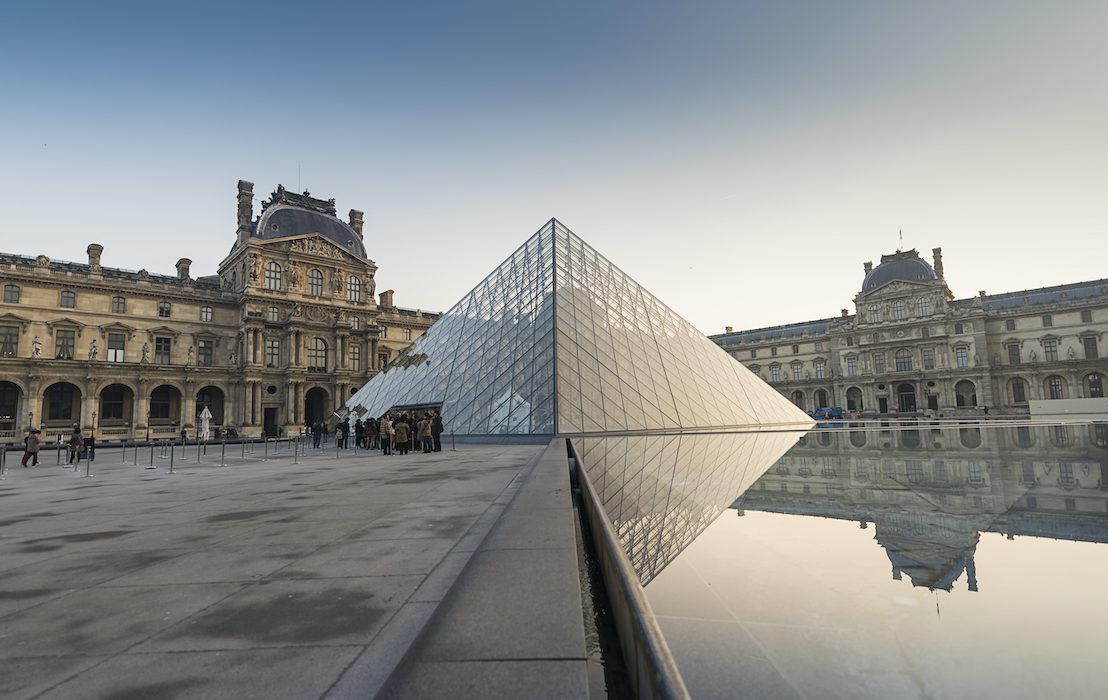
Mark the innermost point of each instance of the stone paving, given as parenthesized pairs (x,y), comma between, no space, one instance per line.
(257,579)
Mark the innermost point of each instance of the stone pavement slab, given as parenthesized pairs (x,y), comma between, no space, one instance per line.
(262,578)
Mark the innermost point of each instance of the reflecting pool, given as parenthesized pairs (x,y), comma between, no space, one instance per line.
(929,562)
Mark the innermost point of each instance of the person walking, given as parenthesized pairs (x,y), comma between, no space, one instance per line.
(436,432)
(31,446)
(425,427)
(386,434)
(359,434)
(317,433)
(76,445)
(403,436)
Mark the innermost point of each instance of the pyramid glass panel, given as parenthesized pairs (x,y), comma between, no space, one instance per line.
(557,339)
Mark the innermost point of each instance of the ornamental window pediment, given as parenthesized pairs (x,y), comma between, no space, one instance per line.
(118,328)
(65,323)
(13,318)
(163,331)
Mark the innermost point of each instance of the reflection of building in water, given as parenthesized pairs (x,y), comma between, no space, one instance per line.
(930,492)
(661,491)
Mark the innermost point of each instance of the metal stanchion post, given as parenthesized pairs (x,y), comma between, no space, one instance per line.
(88,468)
(136,452)
(3,462)
(59,453)
(452,447)
(296,451)
(151,457)
(172,451)
(198,451)
(123,459)
(265,448)
(223,453)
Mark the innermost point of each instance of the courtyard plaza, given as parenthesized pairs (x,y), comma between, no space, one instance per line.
(276,578)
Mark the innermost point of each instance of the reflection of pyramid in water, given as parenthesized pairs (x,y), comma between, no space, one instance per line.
(557,339)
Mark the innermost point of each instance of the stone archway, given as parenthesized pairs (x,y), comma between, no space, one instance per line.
(11,408)
(854,399)
(906,398)
(798,399)
(965,394)
(165,405)
(62,405)
(821,399)
(116,406)
(317,405)
(213,398)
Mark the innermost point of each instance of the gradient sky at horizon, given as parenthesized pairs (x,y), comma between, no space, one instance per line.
(739,159)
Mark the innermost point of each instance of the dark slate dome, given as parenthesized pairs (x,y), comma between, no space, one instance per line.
(907,266)
(281,220)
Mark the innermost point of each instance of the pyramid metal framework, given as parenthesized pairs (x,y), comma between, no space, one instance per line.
(558,340)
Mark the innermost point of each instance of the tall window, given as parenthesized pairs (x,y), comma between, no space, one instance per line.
(775,373)
(899,311)
(772,351)
(753,353)
(819,346)
(111,403)
(59,402)
(117,347)
(821,367)
(165,309)
(1019,391)
(206,313)
(1090,347)
(356,322)
(11,294)
(925,332)
(382,360)
(1095,383)
(1010,324)
(353,288)
(68,300)
(796,372)
(1087,316)
(1055,388)
(1013,353)
(272,352)
(274,314)
(64,344)
(355,357)
(959,329)
(119,305)
(9,341)
(928,358)
(315,283)
(1050,350)
(1048,321)
(317,355)
(851,366)
(272,275)
(163,350)
(925,306)
(204,351)
(408,336)
(903,359)
(961,356)
(875,314)
(879,362)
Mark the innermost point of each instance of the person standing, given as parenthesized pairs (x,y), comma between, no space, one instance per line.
(344,433)
(76,444)
(90,447)
(386,434)
(372,433)
(403,436)
(436,431)
(425,427)
(317,433)
(31,446)
(359,434)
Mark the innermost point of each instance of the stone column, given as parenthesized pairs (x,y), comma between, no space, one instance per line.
(141,408)
(296,348)
(188,410)
(297,403)
(88,405)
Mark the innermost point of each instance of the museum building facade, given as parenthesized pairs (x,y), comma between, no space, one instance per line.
(911,347)
(285,331)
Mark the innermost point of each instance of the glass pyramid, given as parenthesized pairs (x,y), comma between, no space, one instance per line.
(558,340)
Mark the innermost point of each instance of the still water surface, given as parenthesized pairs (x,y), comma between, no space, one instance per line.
(960,562)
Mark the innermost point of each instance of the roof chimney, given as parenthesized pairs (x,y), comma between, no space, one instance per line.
(246,209)
(183,268)
(867,266)
(356,219)
(938,253)
(94,250)
(728,329)
(386,299)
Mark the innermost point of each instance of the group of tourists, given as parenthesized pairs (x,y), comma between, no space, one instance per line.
(392,434)
(78,447)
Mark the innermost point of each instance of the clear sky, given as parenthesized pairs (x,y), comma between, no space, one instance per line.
(740,159)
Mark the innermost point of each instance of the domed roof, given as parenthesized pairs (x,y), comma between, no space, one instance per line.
(281,220)
(907,266)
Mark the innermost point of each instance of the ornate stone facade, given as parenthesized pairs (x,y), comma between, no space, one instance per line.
(281,336)
(911,347)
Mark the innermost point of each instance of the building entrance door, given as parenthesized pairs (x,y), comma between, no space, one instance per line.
(882,405)
(906,398)
(269,421)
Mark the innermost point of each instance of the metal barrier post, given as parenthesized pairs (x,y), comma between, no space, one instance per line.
(3,462)
(452,447)
(136,452)
(88,467)
(198,452)
(223,453)
(296,451)
(123,459)
(265,448)
(172,451)
(59,453)
(243,443)
(151,457)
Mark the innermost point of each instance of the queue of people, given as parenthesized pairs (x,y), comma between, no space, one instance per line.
(77,447)
(392,434)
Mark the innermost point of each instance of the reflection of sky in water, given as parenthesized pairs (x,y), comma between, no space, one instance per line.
(947,563)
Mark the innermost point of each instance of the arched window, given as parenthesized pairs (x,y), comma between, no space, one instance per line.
(11,294)
(1055,387)
(119,305)
(903,358)
(899,310)
(353,288)
(317,355)
(875,314)
(924,306)
(1094,383)
(315,283)
(272,275)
